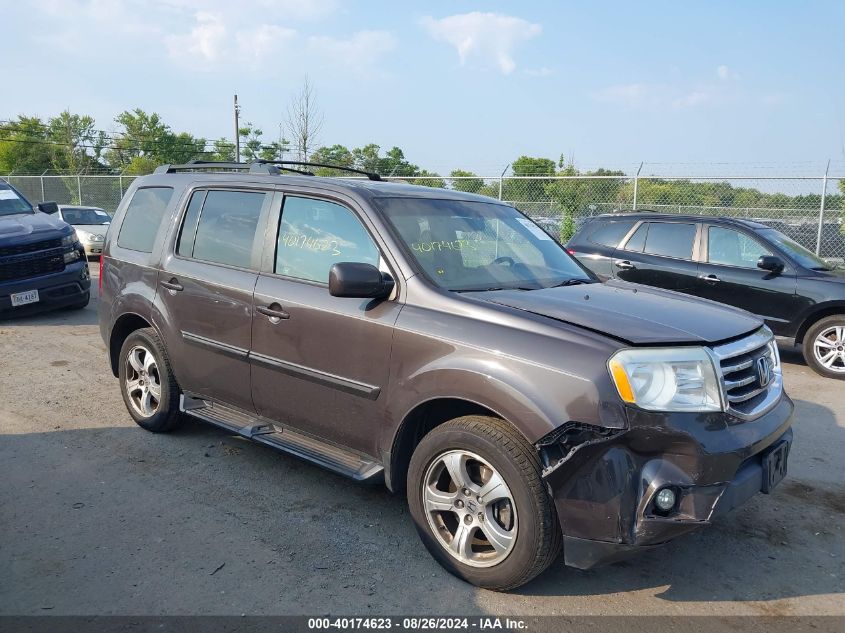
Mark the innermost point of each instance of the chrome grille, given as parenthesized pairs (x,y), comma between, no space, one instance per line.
(750,374)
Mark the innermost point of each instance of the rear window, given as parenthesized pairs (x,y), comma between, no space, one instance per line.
(143,217)
(610,233)
(670,239)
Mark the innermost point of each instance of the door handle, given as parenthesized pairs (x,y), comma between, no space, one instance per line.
(713,279)
(625,265)
(274,312)
(173,285)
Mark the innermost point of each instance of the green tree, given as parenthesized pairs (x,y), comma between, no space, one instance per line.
(428,179)
(24,146)
(224,150)
(72,135)
(531,189)
(468,182)
(339,155)
(145,141)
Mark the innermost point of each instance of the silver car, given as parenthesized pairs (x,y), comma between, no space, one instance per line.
(91,224)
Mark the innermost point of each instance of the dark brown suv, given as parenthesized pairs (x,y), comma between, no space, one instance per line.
(445,344)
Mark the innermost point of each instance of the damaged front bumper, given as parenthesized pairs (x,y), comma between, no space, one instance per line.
(604,482)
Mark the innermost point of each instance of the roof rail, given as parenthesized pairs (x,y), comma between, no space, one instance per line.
(256,167)
(369,174)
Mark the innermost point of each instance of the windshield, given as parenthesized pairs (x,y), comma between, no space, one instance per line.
(73,215)
(801,255)
(11,202)
(464,246)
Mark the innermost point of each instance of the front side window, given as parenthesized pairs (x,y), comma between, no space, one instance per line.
(143,217)
(670,239)
(227,225)
(733,248)
(316,234)
(465,246)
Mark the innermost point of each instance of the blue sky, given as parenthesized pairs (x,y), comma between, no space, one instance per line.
(455,84)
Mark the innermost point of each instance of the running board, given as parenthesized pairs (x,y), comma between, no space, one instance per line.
(330,457)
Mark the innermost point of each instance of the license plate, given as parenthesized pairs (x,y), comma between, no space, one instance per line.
(774,466)
(22,298)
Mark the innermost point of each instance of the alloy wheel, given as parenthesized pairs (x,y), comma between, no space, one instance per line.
(143,382)
(829,348)
(469,508)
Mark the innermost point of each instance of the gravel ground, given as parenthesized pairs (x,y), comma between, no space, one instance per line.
(100,517)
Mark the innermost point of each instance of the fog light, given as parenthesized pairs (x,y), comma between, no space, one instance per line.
(665,500)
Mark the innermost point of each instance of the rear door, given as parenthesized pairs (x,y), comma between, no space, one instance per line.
(660,253)
(728,274)
(205,291)
(595,244)
(320,364)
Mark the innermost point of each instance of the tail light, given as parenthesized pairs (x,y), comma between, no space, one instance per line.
(100,280)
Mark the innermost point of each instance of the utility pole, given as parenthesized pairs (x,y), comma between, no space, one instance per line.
(237,132)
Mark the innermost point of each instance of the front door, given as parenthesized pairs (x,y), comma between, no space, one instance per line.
(205,293)
(728,274)
(320,363)
(659,254)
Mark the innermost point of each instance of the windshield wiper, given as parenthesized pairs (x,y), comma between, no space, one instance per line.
(572,282)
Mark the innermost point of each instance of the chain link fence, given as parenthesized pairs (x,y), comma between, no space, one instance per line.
(808,209)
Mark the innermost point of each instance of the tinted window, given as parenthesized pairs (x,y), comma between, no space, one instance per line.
(732,248)
(315,234)
(611,233)
(796,251)
(143,217)
(185,247)
(637,241)
(227,225)
(670,239)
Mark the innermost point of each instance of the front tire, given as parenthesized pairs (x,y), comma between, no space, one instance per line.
(479,504)
(147,384)
(824,347)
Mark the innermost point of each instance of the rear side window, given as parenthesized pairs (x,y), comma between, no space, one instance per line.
(670,239)
(610,233)
(637,241)
(315,234)
(185,247)
(143,217)
(227,226)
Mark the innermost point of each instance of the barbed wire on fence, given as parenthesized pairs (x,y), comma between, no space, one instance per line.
(809,209)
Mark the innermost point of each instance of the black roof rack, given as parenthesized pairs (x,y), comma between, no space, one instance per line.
(256,167)
(260,167)
(369,174)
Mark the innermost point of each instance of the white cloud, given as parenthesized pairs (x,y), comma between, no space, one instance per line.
(724,73)
(489,37)
(206,39)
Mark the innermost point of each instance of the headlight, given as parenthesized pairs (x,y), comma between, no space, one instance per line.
(70,239)
(667,379)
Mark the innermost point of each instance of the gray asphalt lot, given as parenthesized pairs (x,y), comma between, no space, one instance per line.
(100,517)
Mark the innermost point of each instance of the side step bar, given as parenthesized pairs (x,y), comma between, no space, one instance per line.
(330,457)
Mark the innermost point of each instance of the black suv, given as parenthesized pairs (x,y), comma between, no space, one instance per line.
(443,343)
(738,262)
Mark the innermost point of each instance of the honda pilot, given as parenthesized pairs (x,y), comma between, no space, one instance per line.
(441,343)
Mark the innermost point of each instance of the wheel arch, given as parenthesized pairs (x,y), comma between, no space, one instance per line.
(124,326)
(821,311)
(421,420)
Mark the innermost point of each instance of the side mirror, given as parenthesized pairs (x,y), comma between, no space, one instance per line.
(770,263)
(364,281)
(48,207)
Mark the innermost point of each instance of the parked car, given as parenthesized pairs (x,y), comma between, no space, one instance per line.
(737,262)
(91,224)
(443,343)
(42,263)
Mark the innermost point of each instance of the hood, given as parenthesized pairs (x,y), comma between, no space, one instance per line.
(92,229)
(638,315)
(30,227)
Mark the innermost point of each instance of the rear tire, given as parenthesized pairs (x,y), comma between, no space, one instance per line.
(824,346)
(517,512)
(147,384)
